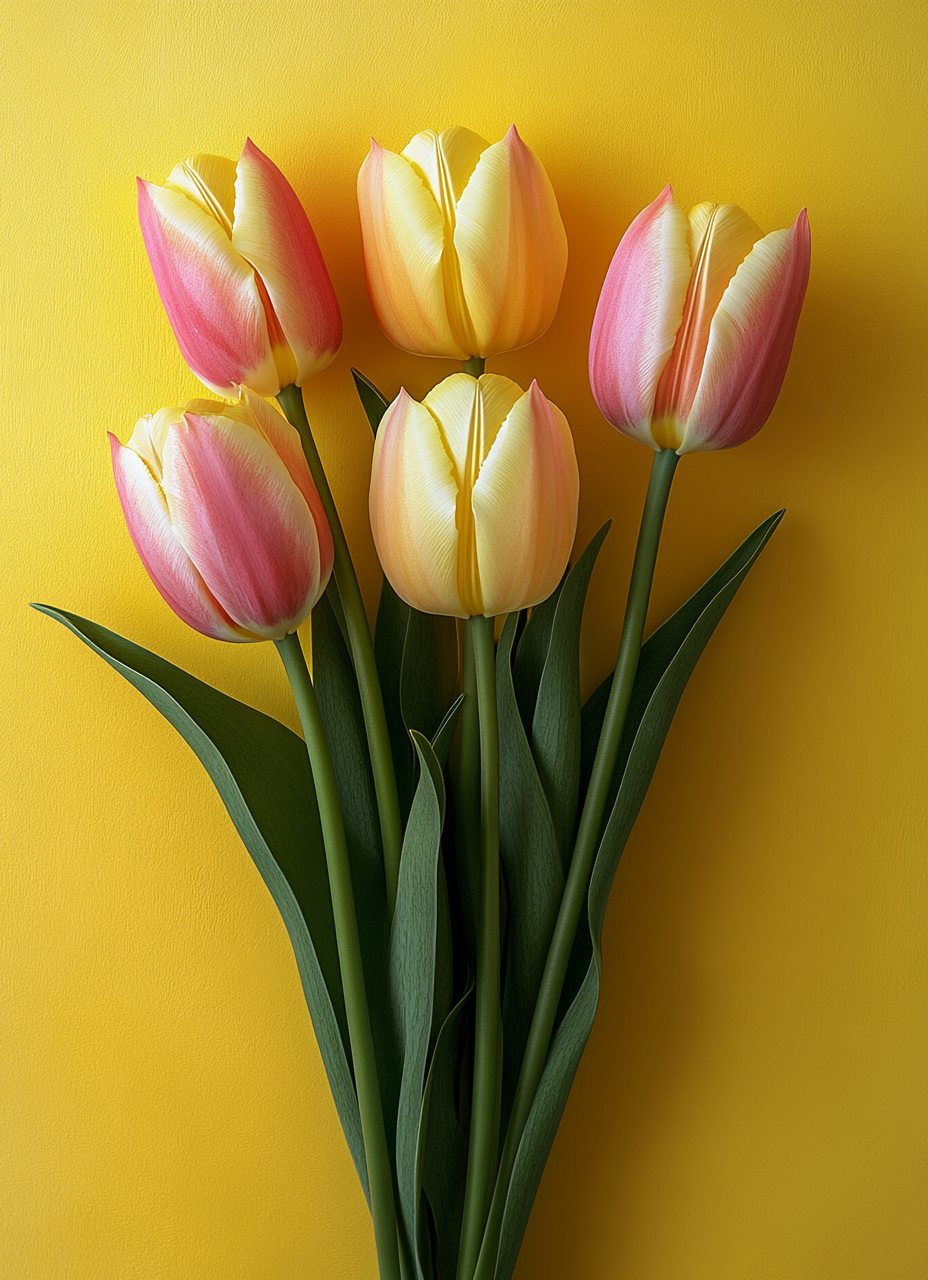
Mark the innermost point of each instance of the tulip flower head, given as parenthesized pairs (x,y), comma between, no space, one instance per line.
(223,511)
(474,496)
(695,325)
(464,246)
(240,273)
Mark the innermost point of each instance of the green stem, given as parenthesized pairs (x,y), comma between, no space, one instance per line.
(578,878)
(379,1172)
(475,366)
(467,796)
(362,652)
(484,1123)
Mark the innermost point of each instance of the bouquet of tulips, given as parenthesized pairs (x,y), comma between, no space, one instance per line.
(442,845)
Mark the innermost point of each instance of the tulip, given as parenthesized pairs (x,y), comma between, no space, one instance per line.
(695,325)
(240,273)
(223,511)
(474,496)
(463,243)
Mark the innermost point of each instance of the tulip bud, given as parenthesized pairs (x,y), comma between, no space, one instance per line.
(463,243)
(240,273)
(223,511)
(695,325)
(474,496)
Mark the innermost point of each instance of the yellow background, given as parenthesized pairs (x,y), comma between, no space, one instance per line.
(751,1105)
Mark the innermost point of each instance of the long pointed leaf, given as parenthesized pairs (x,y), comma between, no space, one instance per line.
(645,741)
(556,721)
(262,774)
(532,864)
(414,954)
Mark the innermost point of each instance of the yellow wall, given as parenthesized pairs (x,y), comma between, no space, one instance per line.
(751,1106)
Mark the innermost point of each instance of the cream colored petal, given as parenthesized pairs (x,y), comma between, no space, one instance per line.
(525,506)
(413,499)
(150,433)
(445,161)
(404,235)
(512,247)
(210,182)
(750,341)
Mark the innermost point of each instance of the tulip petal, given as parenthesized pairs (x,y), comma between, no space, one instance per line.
(209,292)
(721,237)
(452,403)
(208,181)
(639,312)
(243,522)
(750,341)
(285,441)
(512,247)
(445,159)
(166,562)
(272,232)
(404,238)
(413,501)
(525,506)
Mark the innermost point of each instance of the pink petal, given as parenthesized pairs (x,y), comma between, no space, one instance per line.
(271,230)
(750,341)
(209,292)
(639,312)
(285,441)
(166,562)
(525,506)
(243,522)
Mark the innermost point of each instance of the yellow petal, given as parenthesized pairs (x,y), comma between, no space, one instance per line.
(413,500)
(445,161)
(525,506)
(404,238)
(512,247)
(150,433)
(210,182)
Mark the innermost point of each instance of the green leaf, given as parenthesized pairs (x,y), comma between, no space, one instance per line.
(417,658)
(444,736)
(414,948)
(663,679)
(443,1137)
(556,721)
(531,650)
(374,402)
(262,774)
(532,865)
(340,704)
(389,639)
(430,668)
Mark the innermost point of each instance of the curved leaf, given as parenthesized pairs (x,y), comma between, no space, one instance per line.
(532,864)
(556,721)
(660,693)
(374,402)
(262,774)
(414,958)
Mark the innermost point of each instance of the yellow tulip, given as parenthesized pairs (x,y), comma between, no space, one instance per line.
(463,243)
(474,496)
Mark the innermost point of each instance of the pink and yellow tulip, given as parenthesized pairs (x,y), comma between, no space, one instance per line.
(463,243)
(474,496)
(695,325)
(223,512)
(240,273)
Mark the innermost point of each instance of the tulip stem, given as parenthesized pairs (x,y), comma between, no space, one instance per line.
(362,652)
(484,1123)
(475,366)
(588,838)
(360,1034)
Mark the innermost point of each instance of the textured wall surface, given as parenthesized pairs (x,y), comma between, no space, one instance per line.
(751,1105)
